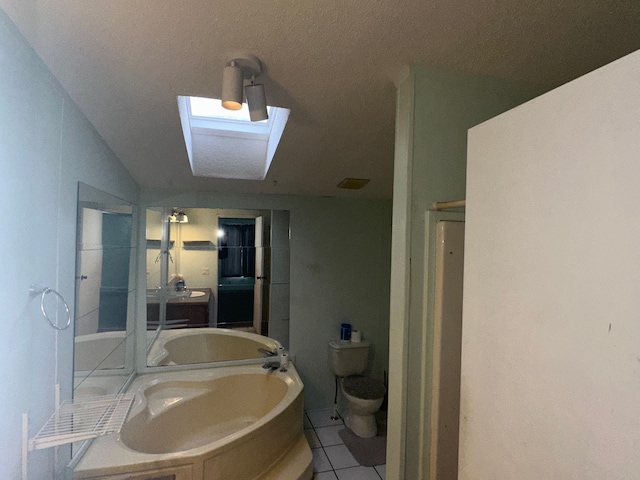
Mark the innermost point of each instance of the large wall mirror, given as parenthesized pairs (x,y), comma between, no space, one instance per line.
(105,292)
(209,268)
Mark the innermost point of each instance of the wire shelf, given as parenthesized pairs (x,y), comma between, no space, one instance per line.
(86,418)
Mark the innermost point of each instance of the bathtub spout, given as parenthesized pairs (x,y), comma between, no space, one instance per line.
(277,362)
(267,353)
(272,363)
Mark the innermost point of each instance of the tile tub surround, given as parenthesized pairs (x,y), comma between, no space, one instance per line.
(167,399)
(331,458)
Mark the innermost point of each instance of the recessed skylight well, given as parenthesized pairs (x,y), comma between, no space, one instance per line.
(224,143)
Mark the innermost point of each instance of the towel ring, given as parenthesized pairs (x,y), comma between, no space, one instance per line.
(34,290)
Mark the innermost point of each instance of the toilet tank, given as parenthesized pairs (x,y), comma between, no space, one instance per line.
(348,358)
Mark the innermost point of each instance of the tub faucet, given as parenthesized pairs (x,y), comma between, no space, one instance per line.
(271,362)
(277,360)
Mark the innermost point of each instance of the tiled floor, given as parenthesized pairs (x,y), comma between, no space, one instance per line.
(331,458)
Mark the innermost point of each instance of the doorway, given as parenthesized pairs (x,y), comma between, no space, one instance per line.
(236,272)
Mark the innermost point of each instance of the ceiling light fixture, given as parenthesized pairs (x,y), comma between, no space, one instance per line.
(238,69)
(178,216)
(256,100)
(232,87)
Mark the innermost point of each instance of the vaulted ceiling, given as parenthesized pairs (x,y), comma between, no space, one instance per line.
(333,63)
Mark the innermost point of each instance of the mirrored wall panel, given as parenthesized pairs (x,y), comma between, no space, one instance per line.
(211,271)
(105,292)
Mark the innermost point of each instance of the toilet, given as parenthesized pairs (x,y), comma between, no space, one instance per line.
(364,395)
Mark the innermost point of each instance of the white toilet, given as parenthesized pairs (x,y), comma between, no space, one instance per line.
(364,395)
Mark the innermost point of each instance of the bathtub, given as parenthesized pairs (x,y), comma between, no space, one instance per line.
(226,423)
(202,345)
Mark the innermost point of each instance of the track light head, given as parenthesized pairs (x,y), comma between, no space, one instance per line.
(232,82)
(257,101)
(239,68)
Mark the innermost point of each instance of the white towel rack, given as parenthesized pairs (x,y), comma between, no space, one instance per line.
(74,421)
(35,290)
(88,417)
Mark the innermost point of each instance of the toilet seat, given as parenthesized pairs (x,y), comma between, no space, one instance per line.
(363,387)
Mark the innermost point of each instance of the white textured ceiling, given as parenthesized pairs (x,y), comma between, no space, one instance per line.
(332,63)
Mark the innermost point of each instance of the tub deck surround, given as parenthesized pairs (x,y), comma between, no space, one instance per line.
(205,345)
(225,423)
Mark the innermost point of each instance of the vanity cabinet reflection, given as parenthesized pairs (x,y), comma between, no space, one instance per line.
(181,312)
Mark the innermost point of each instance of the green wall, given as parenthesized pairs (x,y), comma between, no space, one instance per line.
(436,108)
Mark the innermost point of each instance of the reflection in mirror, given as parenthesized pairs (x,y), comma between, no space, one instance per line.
(216,270)
(104,282)
(154,233)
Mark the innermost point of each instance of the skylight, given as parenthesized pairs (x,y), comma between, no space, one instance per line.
(226,144)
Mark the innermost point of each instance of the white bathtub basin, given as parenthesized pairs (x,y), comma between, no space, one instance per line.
(225,423)
(197,413)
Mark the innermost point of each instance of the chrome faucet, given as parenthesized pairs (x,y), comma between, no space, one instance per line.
(271,362)
(275,360)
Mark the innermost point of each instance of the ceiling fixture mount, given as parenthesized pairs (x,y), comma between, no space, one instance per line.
(240,68)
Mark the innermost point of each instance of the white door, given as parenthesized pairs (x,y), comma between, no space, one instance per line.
(447,338)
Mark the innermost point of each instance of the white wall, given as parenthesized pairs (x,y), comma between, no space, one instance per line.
(551,358)
(340,262)
(203,225)
(46,147)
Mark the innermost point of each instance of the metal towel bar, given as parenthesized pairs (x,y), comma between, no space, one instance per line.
(35,290)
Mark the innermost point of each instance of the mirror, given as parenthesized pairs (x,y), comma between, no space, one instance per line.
(216,269)
(105,283)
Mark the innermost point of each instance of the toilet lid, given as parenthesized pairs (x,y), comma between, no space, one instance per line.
(363,387)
